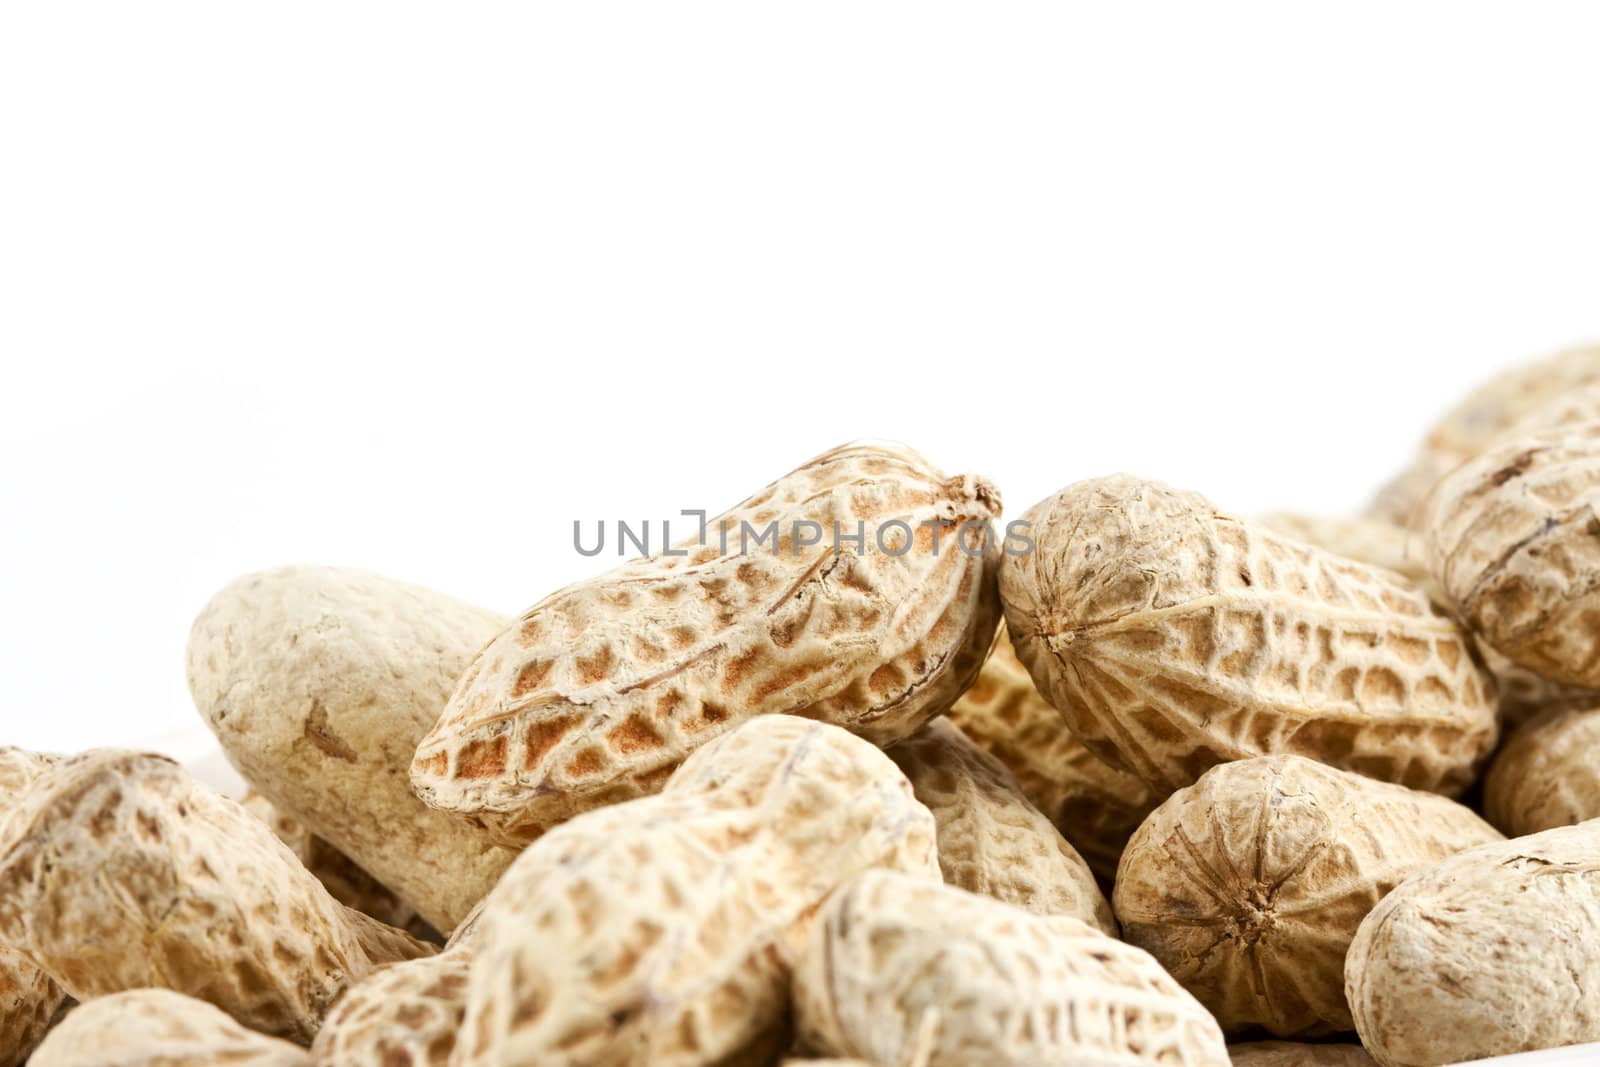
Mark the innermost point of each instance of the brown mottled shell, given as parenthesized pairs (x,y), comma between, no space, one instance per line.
(1095,806)
(160,1028)
(28,997)
(1248,885)
(403,1015)
(660,932)
(1512,537)
(1547,774)
(601,689)
(1491,952)
(991,839)
(1298,1054)
(118,871)
(1174,637)
(319,682)
(900,971)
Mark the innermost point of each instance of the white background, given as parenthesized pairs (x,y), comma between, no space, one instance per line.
(414,287)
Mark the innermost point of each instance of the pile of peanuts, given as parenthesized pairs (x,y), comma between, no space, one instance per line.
(1163,786)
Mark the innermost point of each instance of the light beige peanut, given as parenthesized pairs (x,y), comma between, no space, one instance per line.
(597,692)
(319,682)
(1095,806)
(29,998)
(1174,636)
(1511,536)
(1547,774)
(1298,1054)
(1491,952)
(1489,412)
(118,871)
(403,1014)
(991,839)
(1249,885)
(660,931)
(898,970)
(160,1028)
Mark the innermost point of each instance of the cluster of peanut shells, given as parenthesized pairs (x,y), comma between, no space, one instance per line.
(1164,785)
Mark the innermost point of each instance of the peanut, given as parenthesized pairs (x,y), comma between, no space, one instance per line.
(405,1013)
(990,839)
(29,998)
(1249,885)
(1174,637)
(596,693)
(319,683)
(660,931)
(1295,1054)
(118,871)
(1547,774)
(159,1028)
(1511,538)
(899,970)
(1095,806)
(1492,951)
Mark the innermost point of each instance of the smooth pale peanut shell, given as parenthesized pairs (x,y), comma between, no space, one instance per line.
(29,998)
(898,970)
(660,931)
(597,692)
(1297,1054)
(160,1028)
(1249,885)
(1547,774)
(1512,538)
(1096,806)
(1493,951)
(992,841)
(319,682)
(1173,636)
(118,871)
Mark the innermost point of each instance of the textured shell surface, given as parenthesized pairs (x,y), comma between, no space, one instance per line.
(118,871)
(1095,806)
(1493,951)
(661,931)
(1368,540)
(898,970)
(1173,637)
(1249,885)
(1547,774)
(403,1015)
(28,997)
(160,1028)
(597,692)
(991,839)
(1298,1054)
(319,682)
(1511,536)
(1400,500)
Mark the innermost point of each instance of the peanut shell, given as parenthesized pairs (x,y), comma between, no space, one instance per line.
(1173,636)
(403,1014)
(319,682)
(29,998)
(1249,885)
(1547,774)
(160,1028)
(899,970)
(597,692)
(1491,952)
(1297,1054)
(990,839)
(1367,540)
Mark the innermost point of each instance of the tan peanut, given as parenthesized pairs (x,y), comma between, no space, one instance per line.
(118,871)
(899,970)
(319,682)
(1174,637)
(1511,536)
(596,693)
(403,1014)
(1547,774)
(1297,1054)
(1249,885)
(160,1028)
(1486,414)
(659,931)
(1095,806)
(1490,952)
(991,839)
(29,998)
